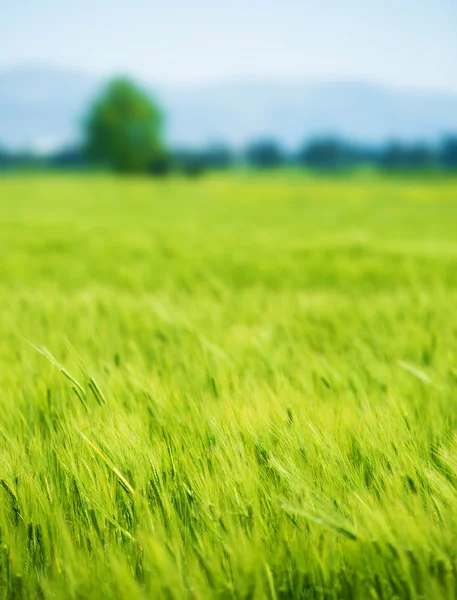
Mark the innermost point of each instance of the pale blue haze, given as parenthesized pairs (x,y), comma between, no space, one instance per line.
(393,42)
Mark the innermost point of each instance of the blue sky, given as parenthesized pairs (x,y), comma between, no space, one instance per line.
(396,42)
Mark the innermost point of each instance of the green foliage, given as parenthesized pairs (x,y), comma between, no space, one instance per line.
(265,154)
(241,386)
(124,129)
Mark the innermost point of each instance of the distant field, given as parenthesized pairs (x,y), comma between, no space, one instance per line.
(238,387)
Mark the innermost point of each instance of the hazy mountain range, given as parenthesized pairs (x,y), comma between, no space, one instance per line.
(43,108)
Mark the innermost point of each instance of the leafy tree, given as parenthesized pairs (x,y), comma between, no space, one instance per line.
(161,164)
(218,156)
(328,154)
(189,162)
(5,159)
(265,154)
(402,157)
(67,158)
(449,153)
(124,128)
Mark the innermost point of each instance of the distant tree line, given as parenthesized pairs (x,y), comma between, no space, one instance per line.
(336,155)
(123,131)
(322,155)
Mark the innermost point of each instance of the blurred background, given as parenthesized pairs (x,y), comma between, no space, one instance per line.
(153,87)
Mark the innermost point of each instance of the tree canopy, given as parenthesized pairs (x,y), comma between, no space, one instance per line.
(124,128)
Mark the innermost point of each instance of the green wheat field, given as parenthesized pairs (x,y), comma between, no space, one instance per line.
(240,386)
